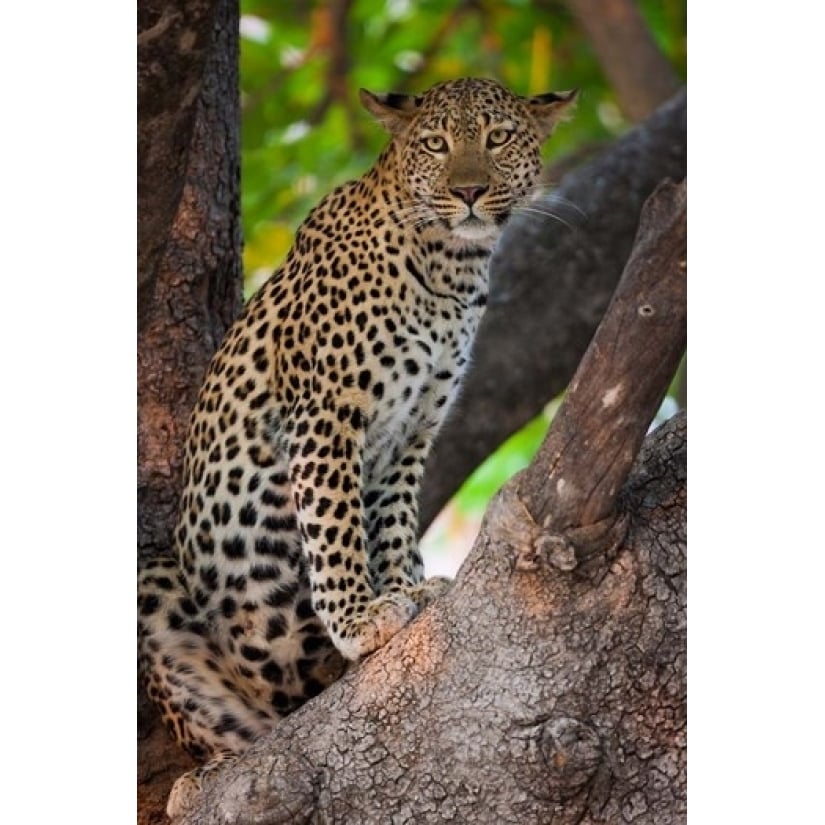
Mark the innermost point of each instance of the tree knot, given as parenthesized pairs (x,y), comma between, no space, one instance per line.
(557,549)
(586,547)
(572,752)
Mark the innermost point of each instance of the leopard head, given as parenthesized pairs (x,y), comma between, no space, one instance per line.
(468,151)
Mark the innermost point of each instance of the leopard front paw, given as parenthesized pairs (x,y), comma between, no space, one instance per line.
(379,621)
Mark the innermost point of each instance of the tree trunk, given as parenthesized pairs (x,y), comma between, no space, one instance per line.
(189,275)
(548,685)
(634,65)
(551,284)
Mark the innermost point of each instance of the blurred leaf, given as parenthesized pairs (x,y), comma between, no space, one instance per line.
(514,455)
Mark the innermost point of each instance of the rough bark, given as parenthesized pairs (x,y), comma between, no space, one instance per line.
(548,685)
(551,285)
(641,75)
(189,277)
(173,40)
(189,232)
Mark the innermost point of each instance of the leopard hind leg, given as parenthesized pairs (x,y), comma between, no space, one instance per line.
(188,678)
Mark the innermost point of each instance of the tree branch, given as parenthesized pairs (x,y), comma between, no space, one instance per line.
(189,275)
(641,75)
(173,42)
(196,283)
(449,21)
(617,389)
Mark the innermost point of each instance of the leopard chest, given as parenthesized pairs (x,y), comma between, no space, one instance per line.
(422,356)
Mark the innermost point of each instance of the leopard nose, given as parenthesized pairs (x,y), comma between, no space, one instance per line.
(469,194)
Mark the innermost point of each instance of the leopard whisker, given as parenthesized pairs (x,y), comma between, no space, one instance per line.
(555,198)
(546,213)
(413,214)
(422,222)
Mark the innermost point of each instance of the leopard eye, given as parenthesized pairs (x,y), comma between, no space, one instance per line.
(435,144)
(498,137)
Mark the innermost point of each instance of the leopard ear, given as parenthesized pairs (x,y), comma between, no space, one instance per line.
(392,110)
(551,108)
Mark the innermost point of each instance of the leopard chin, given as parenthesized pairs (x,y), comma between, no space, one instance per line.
(473,228)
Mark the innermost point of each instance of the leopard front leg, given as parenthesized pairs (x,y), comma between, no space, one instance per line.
(392,516)
(326,451)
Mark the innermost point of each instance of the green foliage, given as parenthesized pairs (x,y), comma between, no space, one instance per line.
(511,457)
(304,131)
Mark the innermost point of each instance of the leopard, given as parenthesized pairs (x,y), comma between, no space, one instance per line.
(297,537)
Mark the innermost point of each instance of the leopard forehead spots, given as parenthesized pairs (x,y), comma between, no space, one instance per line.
(298,521)
(466,108)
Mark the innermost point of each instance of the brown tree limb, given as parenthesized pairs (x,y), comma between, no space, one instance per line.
(330,38)
(525,694)
(551,284)
(188,275)
(617,389)
(632,61)
(448,22)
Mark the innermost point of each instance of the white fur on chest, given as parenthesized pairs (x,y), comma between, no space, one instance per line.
(420,388)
